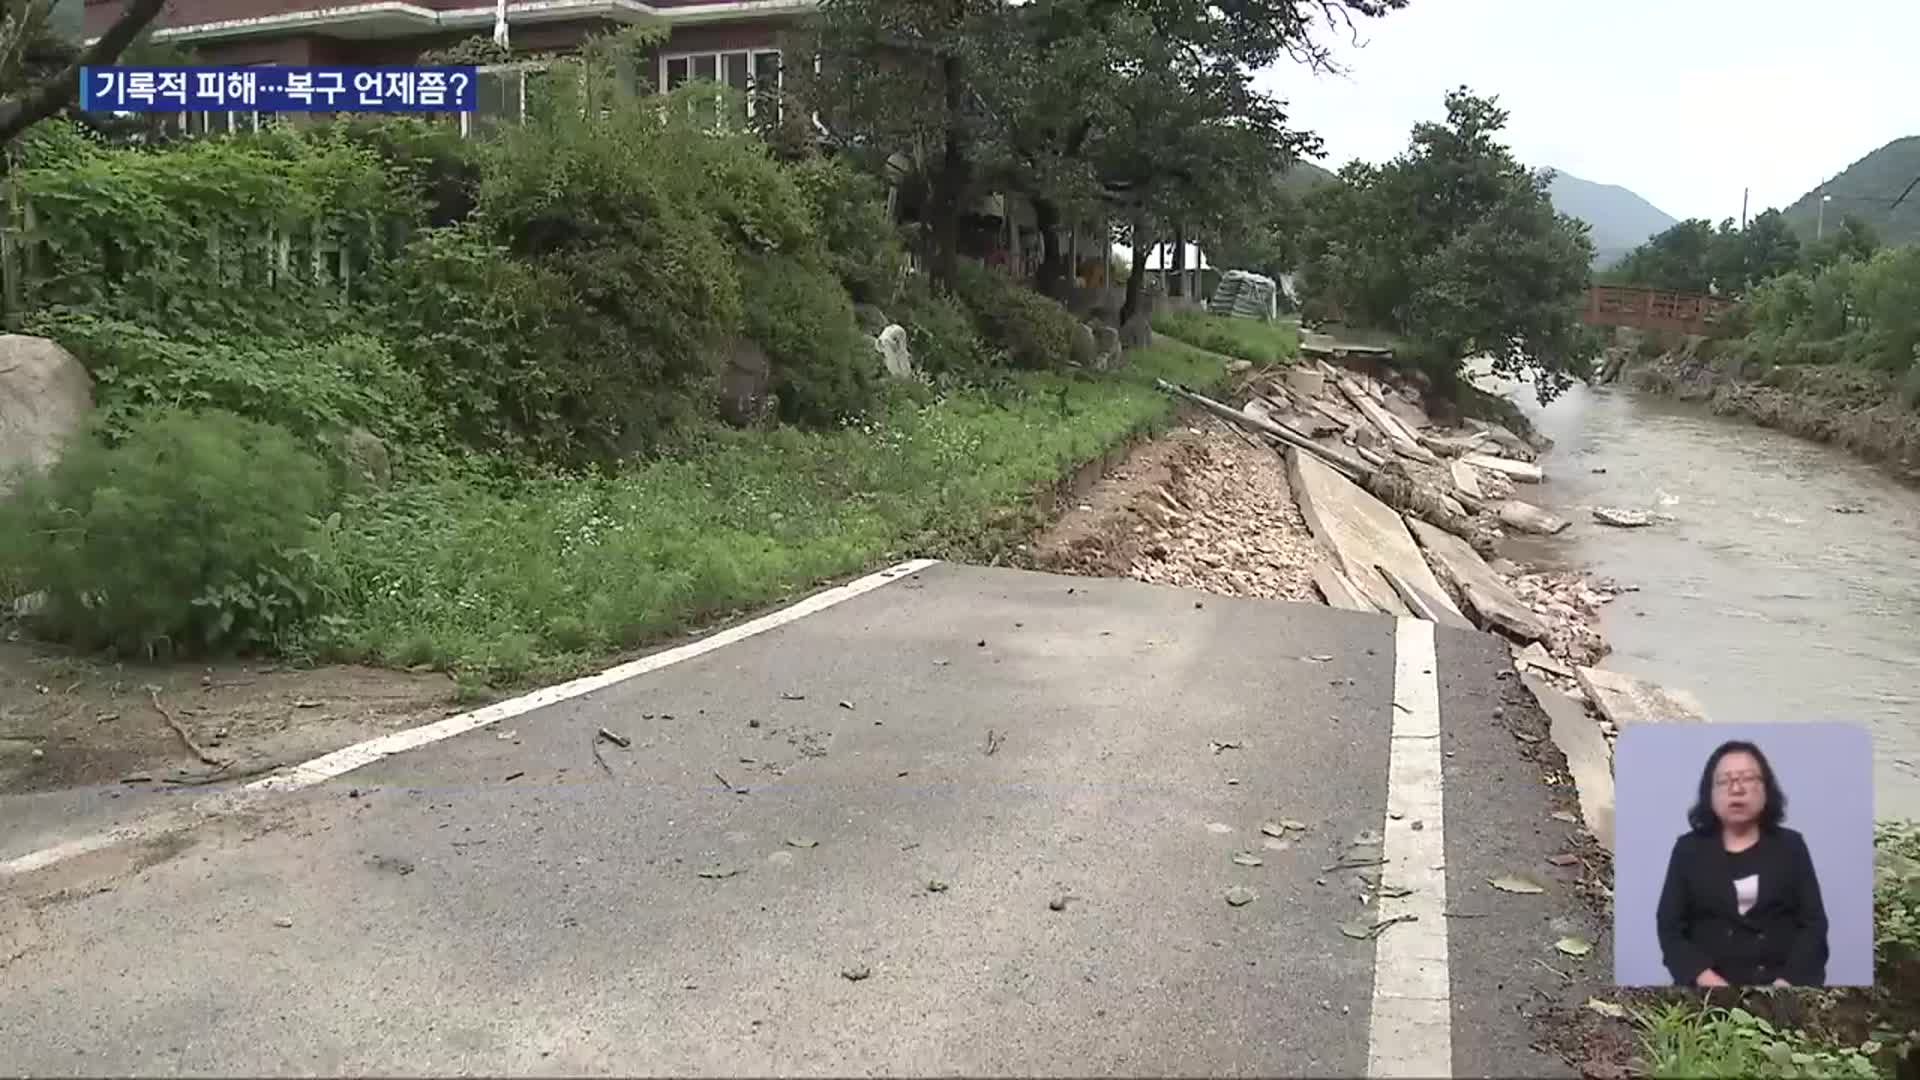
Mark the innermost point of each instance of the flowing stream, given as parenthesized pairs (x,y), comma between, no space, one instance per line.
(1757,596)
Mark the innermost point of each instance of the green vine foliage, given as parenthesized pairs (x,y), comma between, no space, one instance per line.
(213,233)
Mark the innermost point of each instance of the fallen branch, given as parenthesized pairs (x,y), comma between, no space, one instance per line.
(1354,470)
(153,694)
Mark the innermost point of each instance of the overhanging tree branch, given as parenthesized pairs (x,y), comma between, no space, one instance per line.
(20,111)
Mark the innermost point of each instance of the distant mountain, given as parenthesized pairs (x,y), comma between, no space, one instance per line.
(1867,189)
(1304,177)
(1620,219)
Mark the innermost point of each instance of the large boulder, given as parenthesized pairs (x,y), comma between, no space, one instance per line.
(746,380)
(369,464)
(1086,349)
(45,397)
(894,353)
(1106,348)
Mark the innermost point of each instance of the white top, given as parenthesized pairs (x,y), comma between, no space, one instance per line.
(1746,892)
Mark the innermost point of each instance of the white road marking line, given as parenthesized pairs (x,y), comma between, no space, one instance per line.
(366,753)
(1411,1030)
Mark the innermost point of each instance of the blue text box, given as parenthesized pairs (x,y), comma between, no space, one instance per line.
(278,89)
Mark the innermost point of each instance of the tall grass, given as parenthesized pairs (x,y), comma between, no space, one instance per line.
(1245,339)
(545,578)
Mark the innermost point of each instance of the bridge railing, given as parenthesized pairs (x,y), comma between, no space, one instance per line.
(1655,309)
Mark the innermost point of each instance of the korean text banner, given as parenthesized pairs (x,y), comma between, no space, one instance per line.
(277,89)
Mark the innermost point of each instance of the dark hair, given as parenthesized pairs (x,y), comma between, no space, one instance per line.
(1702,817)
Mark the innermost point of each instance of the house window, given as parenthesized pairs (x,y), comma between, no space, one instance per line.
(753,74)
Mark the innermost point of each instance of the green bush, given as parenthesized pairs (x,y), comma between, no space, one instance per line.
(486,334)
(942,337)
(189,535)
(312,388)
(435,159)
(647,286)
(864,249)
(1036,332)
(823,367)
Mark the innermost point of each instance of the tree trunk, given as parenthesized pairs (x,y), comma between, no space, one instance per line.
(1179,261)
(1053,269)
(950,184)
(1137,275)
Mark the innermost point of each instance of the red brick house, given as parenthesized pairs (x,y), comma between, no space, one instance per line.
(732,41)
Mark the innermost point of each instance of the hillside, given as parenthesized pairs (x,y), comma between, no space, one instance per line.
(1304,177)
(1621,220)
(1867,189)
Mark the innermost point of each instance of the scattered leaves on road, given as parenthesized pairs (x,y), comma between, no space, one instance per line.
(1058,903)
(802,842)
(856,973)
(720,872)
(1219,827)
(1514,884)
(994,739)
(1240,896)
(793,697)
(1394,892)
(1219,746)
(283,923)
(1563,859)
(1562,815)
(1247,858)
(937,886)
(1574,946)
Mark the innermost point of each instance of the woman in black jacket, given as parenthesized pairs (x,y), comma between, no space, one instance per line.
(1741,905)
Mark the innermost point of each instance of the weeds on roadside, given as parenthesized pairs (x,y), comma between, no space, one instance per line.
(1245,339)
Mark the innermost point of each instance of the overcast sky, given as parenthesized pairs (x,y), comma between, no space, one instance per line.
(1682,101)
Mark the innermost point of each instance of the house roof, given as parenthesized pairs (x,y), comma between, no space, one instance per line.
(396,18)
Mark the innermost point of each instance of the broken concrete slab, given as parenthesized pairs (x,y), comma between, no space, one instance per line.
(1537,656)
(1466,479)
(1589,761)
(1510,444)
(1306,382)
(1529,518)
(1455,445)
(1360,531)
(1431,608)
(1621,519)
(1397,436)
(1521,471)
(1625,700)
(1410,414)
(1338,590)
(1486,595)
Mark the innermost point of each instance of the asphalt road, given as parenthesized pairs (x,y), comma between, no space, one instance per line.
(973,821)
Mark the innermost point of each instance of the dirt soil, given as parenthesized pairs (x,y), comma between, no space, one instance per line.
(71,721)
(1200,507)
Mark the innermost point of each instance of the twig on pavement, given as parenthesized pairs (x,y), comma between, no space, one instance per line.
(153,694)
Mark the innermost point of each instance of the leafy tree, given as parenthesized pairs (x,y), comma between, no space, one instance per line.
(40,71)
(1852,239)
(1681,258)
(1455,246)
(1054,99)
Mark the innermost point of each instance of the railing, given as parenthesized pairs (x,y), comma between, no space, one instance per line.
(1655,309)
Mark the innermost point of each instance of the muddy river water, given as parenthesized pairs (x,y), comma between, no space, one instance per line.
(1757,596)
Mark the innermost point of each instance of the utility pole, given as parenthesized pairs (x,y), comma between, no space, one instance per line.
(500,23)
(1820,221)
(1744,192)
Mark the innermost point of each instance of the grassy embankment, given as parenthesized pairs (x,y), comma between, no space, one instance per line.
(1244,339)
(549,578)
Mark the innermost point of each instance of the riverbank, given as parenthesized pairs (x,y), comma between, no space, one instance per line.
(1866,412)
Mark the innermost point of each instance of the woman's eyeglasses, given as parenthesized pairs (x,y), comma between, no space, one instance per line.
(1744,780)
